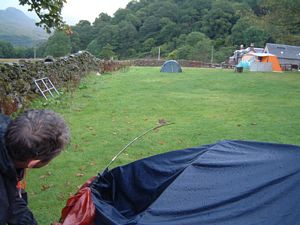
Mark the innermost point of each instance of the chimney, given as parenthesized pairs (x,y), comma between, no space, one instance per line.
(252,47)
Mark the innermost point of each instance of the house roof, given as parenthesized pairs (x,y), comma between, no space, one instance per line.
(257,50)
(260,54)
(283,51)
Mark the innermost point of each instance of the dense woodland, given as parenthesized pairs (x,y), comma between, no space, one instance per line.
(181,29)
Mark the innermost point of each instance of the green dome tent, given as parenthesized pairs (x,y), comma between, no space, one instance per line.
(171,66)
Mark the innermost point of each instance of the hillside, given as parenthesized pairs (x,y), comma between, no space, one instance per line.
(19,29)
(204,30)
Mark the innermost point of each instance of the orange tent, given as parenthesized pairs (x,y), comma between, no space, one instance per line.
(261,58)
(274,60)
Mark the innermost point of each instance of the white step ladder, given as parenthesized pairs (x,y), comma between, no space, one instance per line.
(45,85)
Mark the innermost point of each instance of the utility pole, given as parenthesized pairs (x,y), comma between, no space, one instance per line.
(158,57)
(34,52)
(212,55)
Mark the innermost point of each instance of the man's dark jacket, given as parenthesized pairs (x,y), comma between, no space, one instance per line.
(13,209)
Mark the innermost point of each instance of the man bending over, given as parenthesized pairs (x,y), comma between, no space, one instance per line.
(32,140)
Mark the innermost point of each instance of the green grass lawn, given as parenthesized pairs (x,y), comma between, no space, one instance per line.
(206,105)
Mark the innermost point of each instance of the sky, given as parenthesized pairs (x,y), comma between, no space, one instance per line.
(75,10)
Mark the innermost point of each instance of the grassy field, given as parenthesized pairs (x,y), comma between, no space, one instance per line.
(206,105)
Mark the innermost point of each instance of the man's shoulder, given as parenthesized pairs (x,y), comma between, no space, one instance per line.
(4,118)
(4,121)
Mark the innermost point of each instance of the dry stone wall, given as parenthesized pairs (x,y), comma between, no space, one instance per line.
(17,85)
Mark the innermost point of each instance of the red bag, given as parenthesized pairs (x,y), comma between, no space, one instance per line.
(80,209)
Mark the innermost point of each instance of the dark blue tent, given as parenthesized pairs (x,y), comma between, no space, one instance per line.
(227,183)
(171,66)
(231,182)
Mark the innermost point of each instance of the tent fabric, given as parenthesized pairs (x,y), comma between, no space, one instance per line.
(244,64)
(260,58)
(261,54)
(171,66)
(275,62)
(261,67)
(227,183)
(80,209)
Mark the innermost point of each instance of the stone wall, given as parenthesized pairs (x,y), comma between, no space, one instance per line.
(17,85)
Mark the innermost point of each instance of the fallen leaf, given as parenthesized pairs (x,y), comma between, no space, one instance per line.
(90,128)
(79,174)
(82,168)
(179,141)
(92,163)
(162,121)
(161,142)
(44,187)
(61,197)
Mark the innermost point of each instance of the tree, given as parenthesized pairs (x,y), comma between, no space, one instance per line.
(284,13)
(150,27)
(201,47)
(246,31)
(120,15)
(165,9)
(237,31)
(107,52)
(168,31)
(256,35)
(75,42)
(101,21)
(6,50)
(58,44)
(106,35)
(84,31)
(148,44)
(94,48)
(223,54)
(49,12)
(127,38)
(196,46)
(134,20)
(218,21)
(134,5)
(21,52)
(144,25)
(282,20)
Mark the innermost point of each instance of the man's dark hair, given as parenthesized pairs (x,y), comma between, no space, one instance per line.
(36,134)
